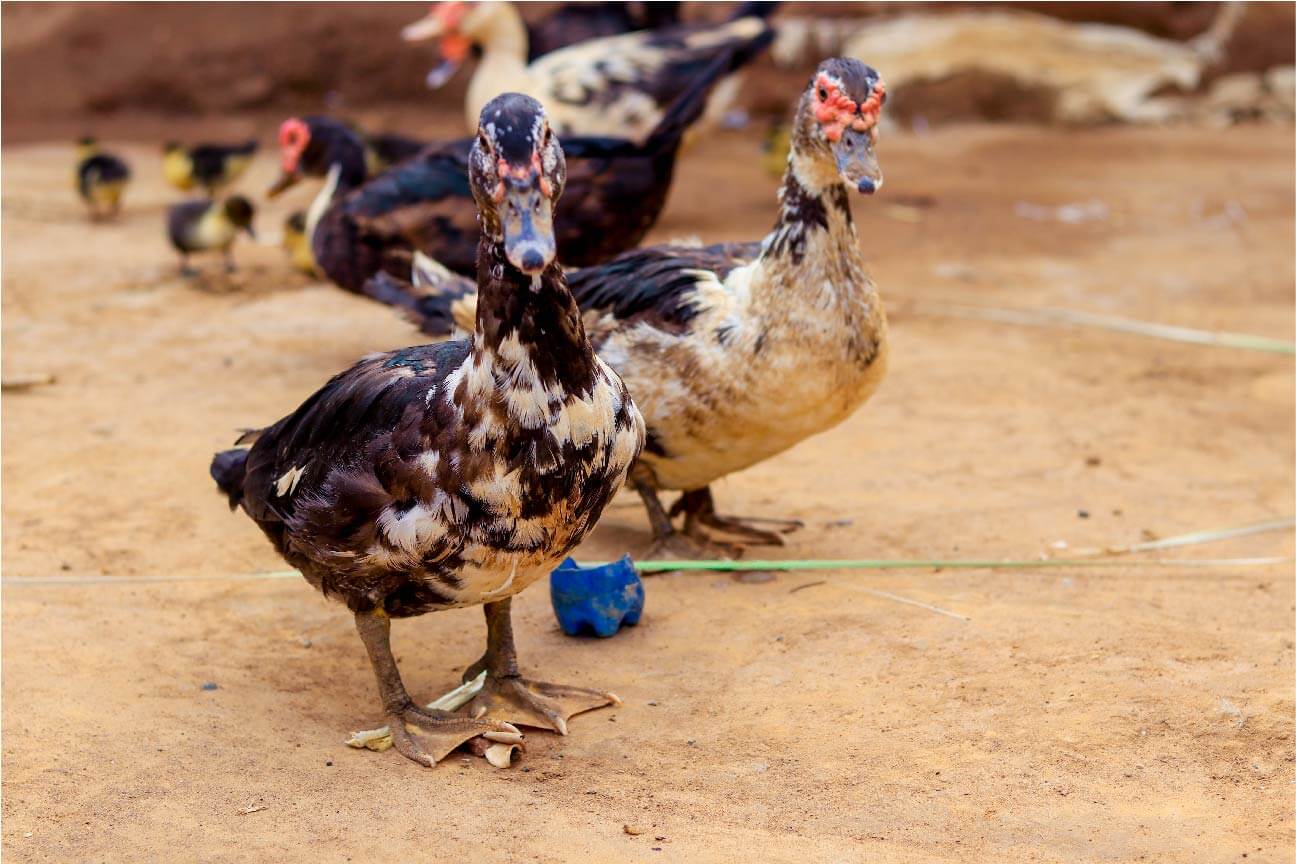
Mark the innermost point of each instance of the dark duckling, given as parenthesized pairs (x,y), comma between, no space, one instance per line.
(212,167)
(201,226)
(100,178)
(458,473)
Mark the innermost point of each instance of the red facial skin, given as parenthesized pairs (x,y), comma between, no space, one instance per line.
(453,45)
(838,111)
(294,135)
(521,172)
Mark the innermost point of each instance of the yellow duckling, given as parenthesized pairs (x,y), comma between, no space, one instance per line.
(199,226)
(296,242)
(100,179)
(211,166)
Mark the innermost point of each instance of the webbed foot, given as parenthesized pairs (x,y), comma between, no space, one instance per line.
(534,703)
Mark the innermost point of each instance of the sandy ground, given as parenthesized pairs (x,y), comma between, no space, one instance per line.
(1092,714)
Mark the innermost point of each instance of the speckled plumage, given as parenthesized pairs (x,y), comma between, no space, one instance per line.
(451,474)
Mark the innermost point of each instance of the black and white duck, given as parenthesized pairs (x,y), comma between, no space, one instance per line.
(617,85)
(458,473)
(736,352)
(616,189)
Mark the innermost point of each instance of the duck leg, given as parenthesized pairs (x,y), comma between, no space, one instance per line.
(442,730)
(668,543)
(506,695)
(702,521)
(185,269)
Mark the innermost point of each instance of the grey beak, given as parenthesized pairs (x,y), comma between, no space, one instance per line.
(527,220)
(857,161)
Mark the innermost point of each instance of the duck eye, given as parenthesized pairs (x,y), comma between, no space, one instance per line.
(823,95)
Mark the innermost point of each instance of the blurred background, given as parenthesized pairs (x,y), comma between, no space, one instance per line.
(128,69)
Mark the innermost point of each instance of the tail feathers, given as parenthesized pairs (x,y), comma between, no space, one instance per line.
(228,469)
(754,8)
(689,105)
(439,308)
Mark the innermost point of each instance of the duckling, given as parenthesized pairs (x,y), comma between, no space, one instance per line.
(100,178)
(736,352)
(616,189)
(458,473)
(211,166)
(617,86)
(199,226)
(296,242)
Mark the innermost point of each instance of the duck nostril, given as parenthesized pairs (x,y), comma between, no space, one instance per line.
(867,186)
(532,260)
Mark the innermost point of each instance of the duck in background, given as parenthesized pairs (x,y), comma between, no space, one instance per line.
(296,242)
(616,189)
(202,226)
(323,147)
(100,179)
(736,352)
(616,86)
(458,473)
(573,23)
(210,166)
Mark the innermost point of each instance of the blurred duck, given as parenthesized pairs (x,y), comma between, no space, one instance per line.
(296,242)
(202,226)
(617,86)
(322,147)
(100,179)
(210,166)
(615,191)
(738,351)
(457,474)
(573,23)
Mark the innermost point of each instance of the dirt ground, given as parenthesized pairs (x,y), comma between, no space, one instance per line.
(1090,714)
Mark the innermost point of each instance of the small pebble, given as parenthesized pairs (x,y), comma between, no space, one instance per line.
(652,702)
(632,830)
(210,685)
(1083,514)
(328,764)
(755,577)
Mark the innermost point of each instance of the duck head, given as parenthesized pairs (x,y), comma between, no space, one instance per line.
(457,25)
(239,211)
(86,147)
(835,133)
(294,138)
(517,172)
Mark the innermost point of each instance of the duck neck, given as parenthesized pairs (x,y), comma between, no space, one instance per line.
(503,64)
(813,248)
(530,324)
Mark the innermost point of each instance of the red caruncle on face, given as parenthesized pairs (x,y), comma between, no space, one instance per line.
(836,111)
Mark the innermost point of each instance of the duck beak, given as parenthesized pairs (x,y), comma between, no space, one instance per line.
(287,179)
(857,161)
(527,220)
(454,49)
(429,26)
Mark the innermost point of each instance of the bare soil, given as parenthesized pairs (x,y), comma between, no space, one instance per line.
(1091,714)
